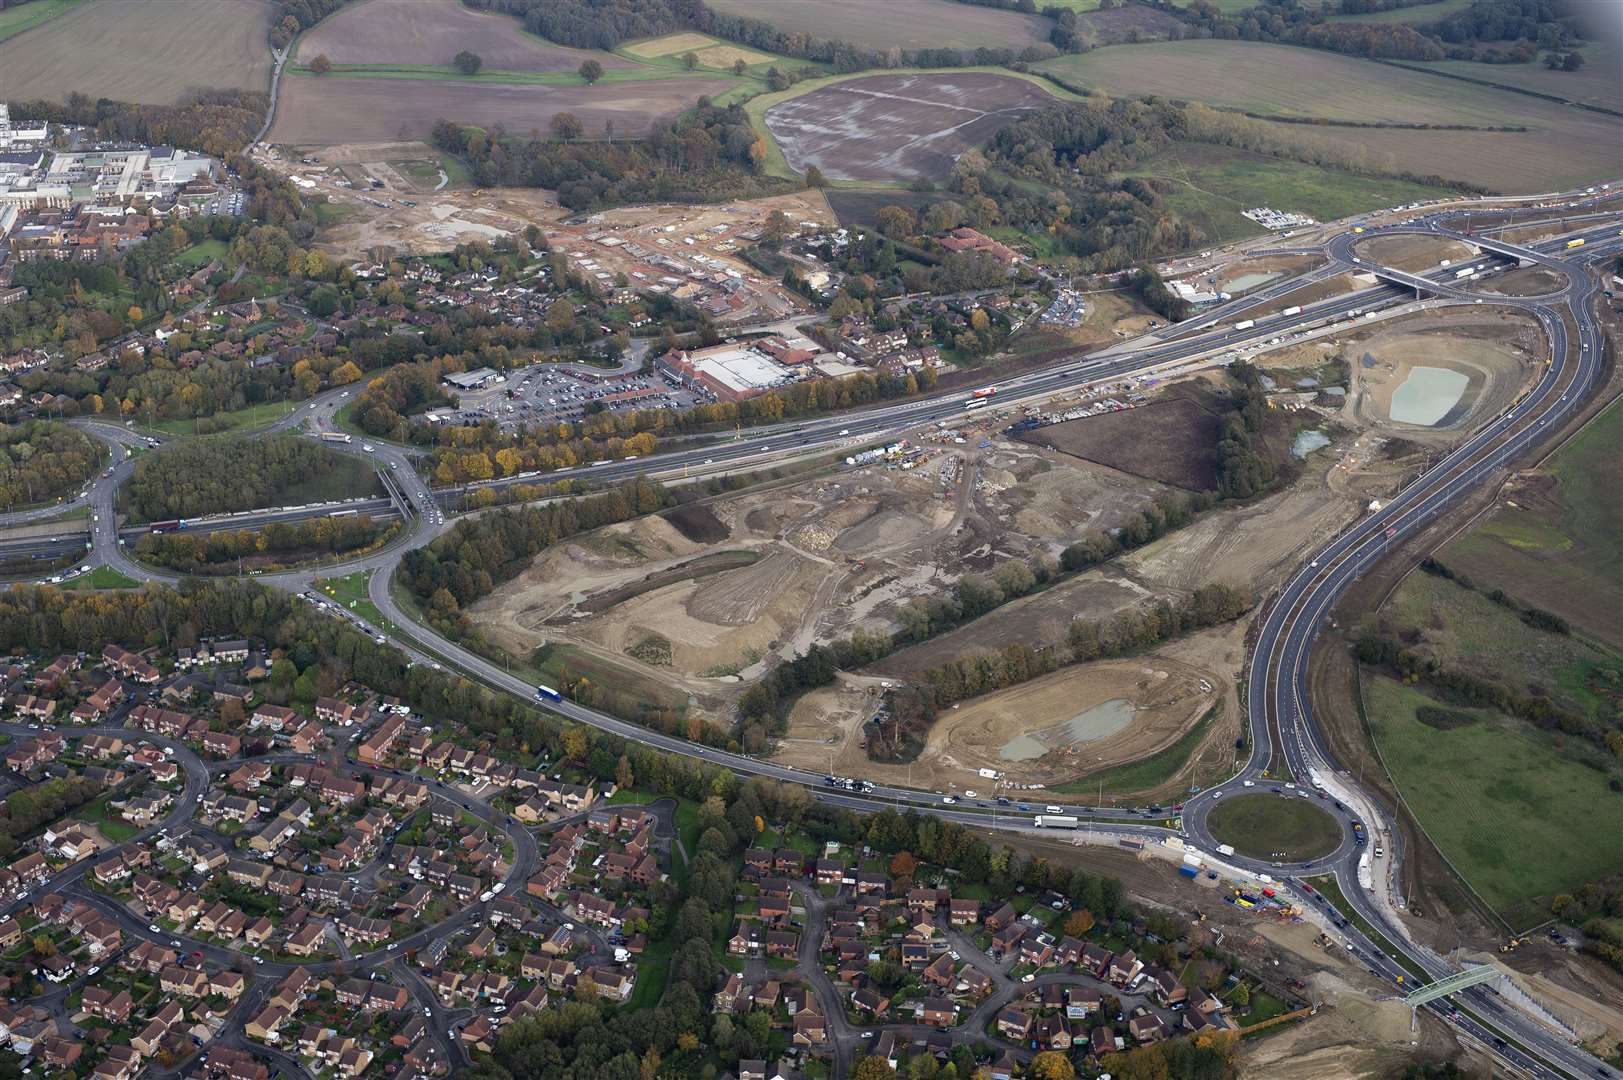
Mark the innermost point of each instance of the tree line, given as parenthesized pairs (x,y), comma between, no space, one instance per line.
(40,460)
(214,122)
(219,551)
(222,474)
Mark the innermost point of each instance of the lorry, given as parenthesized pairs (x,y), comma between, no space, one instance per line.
(1575,243)
(1294,309)
(169,526)
(1245,324)
(1464,272)
(1225,849)
(547,693)
(1056,821)
(335,437)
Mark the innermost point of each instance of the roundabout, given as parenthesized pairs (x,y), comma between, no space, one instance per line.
(1275,826)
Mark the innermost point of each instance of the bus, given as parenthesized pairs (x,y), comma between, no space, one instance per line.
(974,403)
(342,513)
(547,693)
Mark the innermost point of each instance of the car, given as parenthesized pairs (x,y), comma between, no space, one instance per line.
(498,887)
(369,448)
(393,945)
(177,943)
(1053,810)
(1217,794)
(154,928)
(949,799)
(1028,977)
(867,1034)
(427,1011)
(1248,783)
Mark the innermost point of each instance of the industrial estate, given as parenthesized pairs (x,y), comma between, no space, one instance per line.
(800,539)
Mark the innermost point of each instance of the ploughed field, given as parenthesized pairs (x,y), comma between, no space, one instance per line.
(141,51)
(907,24)
(898,127)
(335,109)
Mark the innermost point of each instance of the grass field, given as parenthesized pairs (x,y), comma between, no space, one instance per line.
(203,253)
(1274,827)
(1561,545)
(1561,145)
(154,53)
(1518,819)
(251,417)
(1465,630)
(1215,183)
(102,577)
(15,20)
(908,24)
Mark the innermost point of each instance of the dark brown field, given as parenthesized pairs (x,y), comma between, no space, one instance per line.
(1174,442)
(332,109)
(898,127)
(431,32)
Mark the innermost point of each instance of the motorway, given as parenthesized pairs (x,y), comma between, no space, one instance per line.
(1284,736)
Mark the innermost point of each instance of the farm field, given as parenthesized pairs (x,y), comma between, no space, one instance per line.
(1214,183)
(1561,146)
(1515,817)
(156,54)
(15,20)
(1554,540)
(335,109)
(897,127)
(1597,83)
(710,52)
(431,32)
(907,24)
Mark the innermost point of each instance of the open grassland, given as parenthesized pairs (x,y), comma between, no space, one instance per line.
(432,32)
(130,50)
(333,109)
(14,20)
(1518,819)
(1214,183)
(1464,630)
(1560,545)
(1560,146)
(907,24)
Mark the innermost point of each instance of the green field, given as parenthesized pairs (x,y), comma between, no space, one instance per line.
(203,253)
(103,577)
(1517,818)
(251,417)
(1274,827)
(1562,549)
(1214,183)
(14,20)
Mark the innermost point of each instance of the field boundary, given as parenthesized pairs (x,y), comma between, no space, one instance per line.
(1555,98)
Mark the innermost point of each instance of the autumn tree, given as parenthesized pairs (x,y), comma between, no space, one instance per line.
(591,71)
(1079,922)
(467,62)
(903,864)
(1052,1065)
(567,126)
(320,65)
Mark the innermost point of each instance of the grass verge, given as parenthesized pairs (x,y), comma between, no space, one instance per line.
(1274,827)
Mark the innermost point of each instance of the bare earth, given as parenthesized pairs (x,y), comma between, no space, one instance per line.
(890,127)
